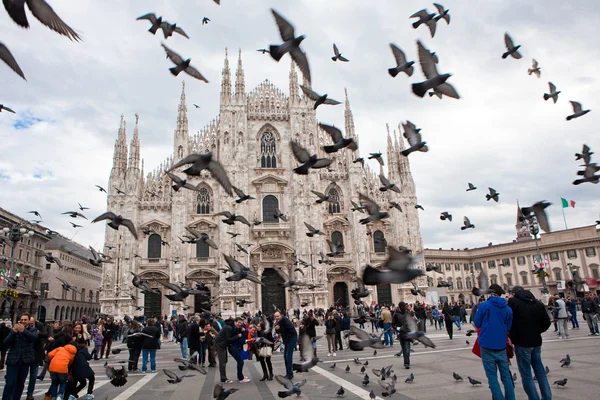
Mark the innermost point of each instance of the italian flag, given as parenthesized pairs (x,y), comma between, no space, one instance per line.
(566,203)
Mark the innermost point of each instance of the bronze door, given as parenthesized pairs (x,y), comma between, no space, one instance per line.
(384,293)
(152,305)
(340,294)
(272,293)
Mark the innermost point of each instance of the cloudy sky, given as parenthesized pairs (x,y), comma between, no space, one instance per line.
(501,133)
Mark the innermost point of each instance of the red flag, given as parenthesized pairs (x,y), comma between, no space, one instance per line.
(572,203)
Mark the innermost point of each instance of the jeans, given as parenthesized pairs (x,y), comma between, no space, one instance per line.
(528,358)
(15,381)
(145,359)
(183,345)
(33,370)
(405,344)
(134,356)
(59,383)
(457,321)
(388,335)
(592,322)
(235,353)
(494,360)
(202,353)
(288,355)
(574,320)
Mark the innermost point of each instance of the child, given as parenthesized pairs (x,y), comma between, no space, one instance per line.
(97,339)
(60,360)
(80,371)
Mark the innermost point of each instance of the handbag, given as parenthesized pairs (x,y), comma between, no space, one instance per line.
(265,351)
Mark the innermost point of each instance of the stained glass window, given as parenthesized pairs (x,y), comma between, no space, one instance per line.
(267,151)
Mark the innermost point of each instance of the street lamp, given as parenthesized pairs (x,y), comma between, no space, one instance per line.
(573,269)
(534,229)
(14,235)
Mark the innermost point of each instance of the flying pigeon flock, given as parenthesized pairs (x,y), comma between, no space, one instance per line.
(415,71)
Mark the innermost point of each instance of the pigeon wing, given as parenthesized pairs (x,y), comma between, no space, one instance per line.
(307,349)
(242,220)
(238,192)
(483,281)
(181,32)
(448,90)
(421,14)
(552,87)
(282,274)
(335,50)
(191,159)
(427,62)
(129,225)
(107,215)
(174,177)
(46,15)
(372,207)
(542,220)
(398,54)
(7,57)
(309,227)
(176,58)
(170,374)
(172,286)
(332,102)
(287,383)
(193,72)
(286,30)
(94,253)
(576,106)
(234,264)
(301,61)
(384,180)
(311,94)
(359,333)
(334,132)
(322,163)
(300,153)
(150,17)
(508,41)
(218,172)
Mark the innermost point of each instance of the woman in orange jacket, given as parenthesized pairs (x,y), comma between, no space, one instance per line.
(60,360)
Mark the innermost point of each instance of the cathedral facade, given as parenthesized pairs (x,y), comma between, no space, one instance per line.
(250,138)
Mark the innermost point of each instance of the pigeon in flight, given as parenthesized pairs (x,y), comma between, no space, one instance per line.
(538,209)
(373,209)
(446,216)
(101,189)
(3,107)
(317,98)
(434,79)
(312,231)
(291,387)
(414,333)
(553,93)
(156,22)
(425,18)
(339,142)
(75,225)
(401,64)
(43,12)
(201,162)
(418,206)
(466,224)
(37,214)
(74,214)
(205,20)
(471,187)
(219,392)
(181,65)
(413,135)
(389,386)
(308,161)
(291,44)
(588,174)
(178,183)
(578,111)
(240,271)
(337,55)
(396,205)
(173,377)
(396,269)
(231,218)
(585,155)
(360,160)
(443,13)
(512,50)
(116,221)
(82,208)
(535,69)
(308,355)
(492,195)
(483,285)
(279,215)
(363,339)
(169,29)
(376,156)
(241,195)
(7,57)
(180,293)
(387,185)
(263,51)
(196,105)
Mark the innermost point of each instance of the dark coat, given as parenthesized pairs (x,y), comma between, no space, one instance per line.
(134,342)
(81,368)
(182,329)
(194,336)
(109,331)
(226,337)
(4,331)
(310,327)
(338,319)
(150,343)
(40,343)
(60,340)
(330,326)
(20,346)
(286,329)
(530,319)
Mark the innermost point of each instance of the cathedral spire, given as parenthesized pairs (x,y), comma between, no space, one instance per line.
(120,153)
(349,119)
(240,85)
(226,80)
(181,133)
(182,121)
(134,149)
(294,91)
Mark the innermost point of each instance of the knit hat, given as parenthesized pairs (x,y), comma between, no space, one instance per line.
(497,289)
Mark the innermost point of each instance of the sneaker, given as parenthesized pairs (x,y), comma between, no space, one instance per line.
(71,397)
(245,380)
(136,370)
(328,354)
(227,381)
(406,366)
(153,371)
(335,355)
(589,334)
(596,334)
(89,397)
(59,397)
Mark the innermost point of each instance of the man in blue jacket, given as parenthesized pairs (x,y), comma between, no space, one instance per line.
(289,337)
(494,318)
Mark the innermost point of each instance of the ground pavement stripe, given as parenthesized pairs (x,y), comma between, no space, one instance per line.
(135,387)
(97,384)
(209,381)
(360,392)
(263,389)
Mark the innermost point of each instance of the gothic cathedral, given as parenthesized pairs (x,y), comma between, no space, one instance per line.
(250,137)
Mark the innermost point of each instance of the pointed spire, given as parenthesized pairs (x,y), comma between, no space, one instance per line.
(134,150)
(240,85)
(349,119)
(182,121)
(226,80)
(294,90)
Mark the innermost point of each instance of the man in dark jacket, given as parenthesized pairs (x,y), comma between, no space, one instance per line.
(530,320)
(107,336)
(338,330)
(227,339)
(182,336)
(590,313)
(400,325)
(21,355)
(38,348)
(194,340)
(494,318)
(150,344)
(289,337)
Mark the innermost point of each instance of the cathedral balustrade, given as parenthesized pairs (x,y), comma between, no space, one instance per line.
(153,262)
(272,229)
(201,262)
(377,257)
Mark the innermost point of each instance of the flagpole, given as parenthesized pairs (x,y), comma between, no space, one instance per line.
(564,218)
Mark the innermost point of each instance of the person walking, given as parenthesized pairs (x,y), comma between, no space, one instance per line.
(182,336)
(289,337)
(562,318)
(134,345)
(60,359)
(108,334)
(227,341)
(338,330)
(400,324)
(456,314)
(386,319)
(194,344)
(81,373)
(589,308)
(494,319)
(448,319)
(150,345)
(530,320)
(572,308)
(435,316)
(21,354)
(330,324)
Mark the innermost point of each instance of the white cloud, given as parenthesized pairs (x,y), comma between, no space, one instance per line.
(500,134)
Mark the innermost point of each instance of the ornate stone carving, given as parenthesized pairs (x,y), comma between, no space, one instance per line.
(273,253)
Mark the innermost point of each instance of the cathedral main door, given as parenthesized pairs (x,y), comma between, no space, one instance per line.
(340,294)
(152,305)
(384,293)
(272,293)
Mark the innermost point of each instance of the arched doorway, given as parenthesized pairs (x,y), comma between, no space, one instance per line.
(272,293)
(42,314)
(384,293)
(211,286)
(340,294)
(152,305)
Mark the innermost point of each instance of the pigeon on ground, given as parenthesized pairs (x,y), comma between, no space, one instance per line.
(512,50)
(401,64)
(561,382)
(317,98)
(116,221)
(466,224)
(397,269)
(219,392)
(181,65)
(366,380)
(347,368)
(341,391)
(538,209)
(308,161)
(372,394)
(492,195)
(471,187)
(566,361)
(169,29)
(446,216)
(585,155)
(201,162)
(362,369)
(291,388)
(373,209)
(443,13)
(553,93)
(291,44)
(339,142)
(7,57)
(156,22)
(410,379)
(434,79)
(473,381)
(3,107)
(173,377)
(43,12)
(577,110)
(457,377)
(470,332)
(535,69)
(389,386)
(337,55)
(116,377)
(332,366)
(425,18)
